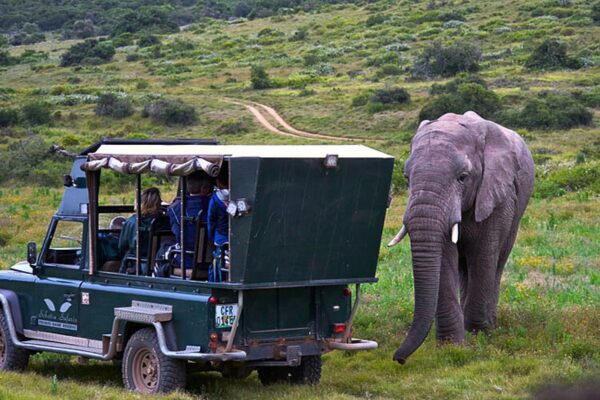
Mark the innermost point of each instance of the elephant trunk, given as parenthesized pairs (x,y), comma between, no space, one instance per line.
(427,238)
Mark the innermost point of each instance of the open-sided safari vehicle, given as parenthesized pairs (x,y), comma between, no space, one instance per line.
(305,225)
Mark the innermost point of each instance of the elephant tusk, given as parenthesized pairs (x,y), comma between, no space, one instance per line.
(398,237)
(455,233)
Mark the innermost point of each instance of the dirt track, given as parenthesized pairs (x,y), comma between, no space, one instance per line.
(262,113)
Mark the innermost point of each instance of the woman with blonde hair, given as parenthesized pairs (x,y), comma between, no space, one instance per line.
(150,209)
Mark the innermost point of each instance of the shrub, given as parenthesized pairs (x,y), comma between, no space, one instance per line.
(550,111)
(124,39)
(84,29)
(259,78)
(8,117)
(391,96)
(109,104)
(3,41)
(376,19)
(88,51)
(452,86)
(232,126)
(450,16)
(584,176)
(148,40)
(596,13)
(466,97)
(389,69)
(361,99)
(170,112)
(6,59)
(36,113)
(439,60)
(551,54)
(299,35)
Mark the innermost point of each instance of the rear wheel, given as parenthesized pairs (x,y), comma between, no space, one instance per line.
(146,369)
(272,375)
(308,372)
(12,358)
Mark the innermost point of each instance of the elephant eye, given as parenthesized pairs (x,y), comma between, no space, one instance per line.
(463,177)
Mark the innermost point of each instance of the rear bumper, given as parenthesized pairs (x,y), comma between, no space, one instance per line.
(353,345)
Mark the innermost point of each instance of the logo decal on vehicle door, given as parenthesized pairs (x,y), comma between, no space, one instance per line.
(63,320)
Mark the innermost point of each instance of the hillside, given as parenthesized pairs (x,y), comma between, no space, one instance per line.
(368,71)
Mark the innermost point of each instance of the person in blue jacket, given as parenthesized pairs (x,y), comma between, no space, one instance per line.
(218,222)
(199,188)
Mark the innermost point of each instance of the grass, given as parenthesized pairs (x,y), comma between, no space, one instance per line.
(549,310)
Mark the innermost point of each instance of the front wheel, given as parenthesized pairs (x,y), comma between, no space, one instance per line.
(308,372)
(146,369)
(12,358)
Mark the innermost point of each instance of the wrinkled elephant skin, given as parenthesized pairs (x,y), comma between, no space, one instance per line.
(469,183)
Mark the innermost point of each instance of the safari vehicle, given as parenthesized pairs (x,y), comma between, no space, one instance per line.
(305,225)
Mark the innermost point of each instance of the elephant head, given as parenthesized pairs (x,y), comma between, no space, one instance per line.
(460,167)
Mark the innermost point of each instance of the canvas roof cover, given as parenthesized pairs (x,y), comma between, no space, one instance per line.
(185,158)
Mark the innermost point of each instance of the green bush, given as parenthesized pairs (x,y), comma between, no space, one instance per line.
(596,13)
(440,60)
(391,96)
(361,99)
(148,40)
(549,111)
(452,86)
(124,39)
(37,113)
(389,70)
(3,41)
(551,54)
(90,51)
(111,105)
(580,177)
(170,112)
(8,117)
(459,98)
(376,19)
(232,126)
(6,59)
(259,78)
(299,36)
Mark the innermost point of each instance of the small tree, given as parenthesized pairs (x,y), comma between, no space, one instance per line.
(8,117)
(170,112)
(596,13)
(84,28)
(109,104)
(259,78)
(440,60)
(89,49)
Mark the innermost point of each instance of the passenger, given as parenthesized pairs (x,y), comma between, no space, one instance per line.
(218,223)
(199,187)
(109,257)
(150,209)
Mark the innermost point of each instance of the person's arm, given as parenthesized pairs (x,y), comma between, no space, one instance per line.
(125,237)
(172,212)
(212,219)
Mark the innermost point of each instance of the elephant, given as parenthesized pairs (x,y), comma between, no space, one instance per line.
(469,182)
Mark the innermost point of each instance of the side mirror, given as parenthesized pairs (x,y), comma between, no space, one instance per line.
(31,253)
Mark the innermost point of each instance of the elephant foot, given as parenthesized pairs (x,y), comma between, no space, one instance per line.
(475,327)
(454,338)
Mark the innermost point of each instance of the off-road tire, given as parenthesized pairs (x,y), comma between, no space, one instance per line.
(146,370)
(271,375)
(12,358)
(308,372)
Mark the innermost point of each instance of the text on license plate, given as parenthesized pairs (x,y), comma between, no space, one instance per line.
(225,315)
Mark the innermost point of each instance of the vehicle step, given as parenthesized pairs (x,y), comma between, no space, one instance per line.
(141,311)
(62,346)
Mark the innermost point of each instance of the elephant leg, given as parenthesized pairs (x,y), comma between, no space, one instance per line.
(449,316)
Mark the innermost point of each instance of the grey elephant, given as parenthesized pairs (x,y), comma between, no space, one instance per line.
(469,183)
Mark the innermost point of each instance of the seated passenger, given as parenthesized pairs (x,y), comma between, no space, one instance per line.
(218,222)
(199,187)
(150,209)
(109,257)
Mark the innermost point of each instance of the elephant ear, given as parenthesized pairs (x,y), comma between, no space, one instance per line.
(500,168)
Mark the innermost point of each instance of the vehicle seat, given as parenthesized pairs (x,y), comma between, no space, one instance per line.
(203,250)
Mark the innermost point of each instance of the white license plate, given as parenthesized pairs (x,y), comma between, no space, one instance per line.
(225,315)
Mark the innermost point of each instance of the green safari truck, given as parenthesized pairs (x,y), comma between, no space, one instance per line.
(305,225)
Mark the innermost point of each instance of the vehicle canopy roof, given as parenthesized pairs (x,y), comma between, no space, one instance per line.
(183,159)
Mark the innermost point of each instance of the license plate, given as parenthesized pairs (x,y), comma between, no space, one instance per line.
(225,315)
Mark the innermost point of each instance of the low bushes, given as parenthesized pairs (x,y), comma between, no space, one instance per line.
(466,93)
(381,99)
(440,60)
(551,54)
(8,117)
(259,78)
(549,111)
(88,52)
(170,112)
(232,126)
(109,104)
(36,113)
(569,179)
